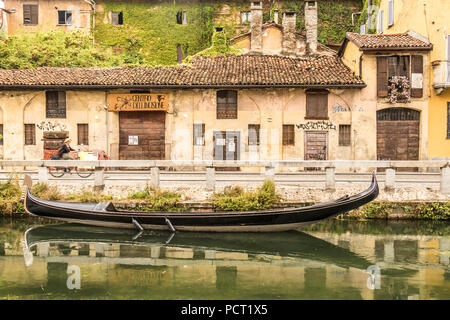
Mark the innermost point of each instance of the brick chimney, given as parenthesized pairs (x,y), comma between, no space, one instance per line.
(256,27)
(289,42)
(311,26)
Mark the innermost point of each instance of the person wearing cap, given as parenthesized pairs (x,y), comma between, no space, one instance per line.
(63,152)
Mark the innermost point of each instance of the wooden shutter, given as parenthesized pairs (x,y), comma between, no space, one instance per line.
(30,14)
(288,135)
(344,134)
(317,105)
(83,134)
(382,76)
(56,104)
(417,67)
(114,18)
(30,134)
(1,133)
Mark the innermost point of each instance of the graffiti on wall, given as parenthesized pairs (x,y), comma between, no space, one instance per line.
(319,125)
(49,126)
(342,109)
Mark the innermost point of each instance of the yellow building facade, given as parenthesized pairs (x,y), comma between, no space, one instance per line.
(428,18)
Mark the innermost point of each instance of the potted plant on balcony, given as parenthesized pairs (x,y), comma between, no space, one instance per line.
(399,89)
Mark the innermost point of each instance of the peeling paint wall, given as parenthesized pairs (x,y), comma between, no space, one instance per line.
(270,108)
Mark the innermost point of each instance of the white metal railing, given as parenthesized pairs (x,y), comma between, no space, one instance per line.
(270,166)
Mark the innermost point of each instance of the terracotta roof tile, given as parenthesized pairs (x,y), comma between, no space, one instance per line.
(221,71)
(401,41)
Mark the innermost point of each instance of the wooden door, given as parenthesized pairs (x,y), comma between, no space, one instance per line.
(142,135)
(398,134)
(316,145)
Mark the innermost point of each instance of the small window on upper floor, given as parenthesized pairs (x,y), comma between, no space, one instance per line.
(181,17)
(117,18)
(64,17)
(226,104)
(246,16)
(390,13)
(30,14)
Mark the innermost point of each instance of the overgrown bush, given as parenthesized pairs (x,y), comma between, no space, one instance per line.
(157,200)
(236,199)
(54,49)
(44,191)
(10,197)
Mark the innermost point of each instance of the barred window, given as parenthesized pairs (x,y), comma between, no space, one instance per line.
(226,104)
(253,134)
(199,134)
(83,134)
(30,134)
(344,134)
(288,135)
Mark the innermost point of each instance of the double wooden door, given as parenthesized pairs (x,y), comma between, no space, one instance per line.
(142,135)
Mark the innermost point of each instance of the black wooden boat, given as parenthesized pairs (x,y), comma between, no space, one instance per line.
(105,214)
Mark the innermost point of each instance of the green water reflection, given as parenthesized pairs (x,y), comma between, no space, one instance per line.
(329,260)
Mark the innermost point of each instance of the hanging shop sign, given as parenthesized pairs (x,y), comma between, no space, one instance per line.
(138,102)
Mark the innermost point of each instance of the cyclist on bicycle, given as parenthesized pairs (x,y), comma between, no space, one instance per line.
(63,151)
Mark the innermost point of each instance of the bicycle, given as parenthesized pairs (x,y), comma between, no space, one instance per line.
(82,172)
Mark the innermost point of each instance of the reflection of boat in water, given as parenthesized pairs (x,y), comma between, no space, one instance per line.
(285,245)
(274,220)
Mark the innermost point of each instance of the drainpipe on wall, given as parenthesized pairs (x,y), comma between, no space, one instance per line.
(92,4)
(107,124)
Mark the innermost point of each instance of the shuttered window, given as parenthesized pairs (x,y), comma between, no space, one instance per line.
(83,134)
(317,105)
(288,135)
(226,104)
(380,21)
(56,104)
(253,134)
(448,121)
(390,13)
(382,76)
(117,18)
(30,14)
(1,134)
(344,134)
(417,76)
(30,134)
(199,134)
(388,67)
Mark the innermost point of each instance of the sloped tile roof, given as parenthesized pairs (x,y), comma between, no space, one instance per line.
(221,71)
(400,41)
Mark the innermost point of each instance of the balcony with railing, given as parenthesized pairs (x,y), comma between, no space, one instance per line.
(441,75)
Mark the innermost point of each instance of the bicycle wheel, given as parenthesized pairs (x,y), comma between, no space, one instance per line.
(84,172)
(57,172)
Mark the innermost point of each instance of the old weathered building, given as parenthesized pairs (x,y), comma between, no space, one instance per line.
(268,103)
(394,69)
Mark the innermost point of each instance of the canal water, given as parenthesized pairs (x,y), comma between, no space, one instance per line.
(334,259)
